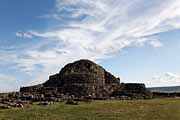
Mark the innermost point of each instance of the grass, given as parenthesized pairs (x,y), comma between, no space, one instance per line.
(156,109)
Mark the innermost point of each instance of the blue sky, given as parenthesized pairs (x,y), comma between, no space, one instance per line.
(137,40)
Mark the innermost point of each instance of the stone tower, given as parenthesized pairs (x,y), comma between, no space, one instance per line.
(84,78)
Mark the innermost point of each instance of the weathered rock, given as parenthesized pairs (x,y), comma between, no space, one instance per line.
(81,78)
(133,91)
(134,87)
(45,103)
(70,100)
(4,106)
(31,89)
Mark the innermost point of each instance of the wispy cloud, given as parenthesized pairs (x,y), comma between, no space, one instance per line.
(98,29)
(6,83)
(167,79)
(24,34)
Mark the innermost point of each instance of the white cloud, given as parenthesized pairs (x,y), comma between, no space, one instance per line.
(167,79)
(156,43)
(7,57)
(24,34)
(8,83)
(98,29)
(172,76)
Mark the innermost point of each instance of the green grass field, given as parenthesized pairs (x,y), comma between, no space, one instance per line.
(156,109)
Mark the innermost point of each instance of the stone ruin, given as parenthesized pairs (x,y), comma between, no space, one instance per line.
(132,91)
(83,79)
